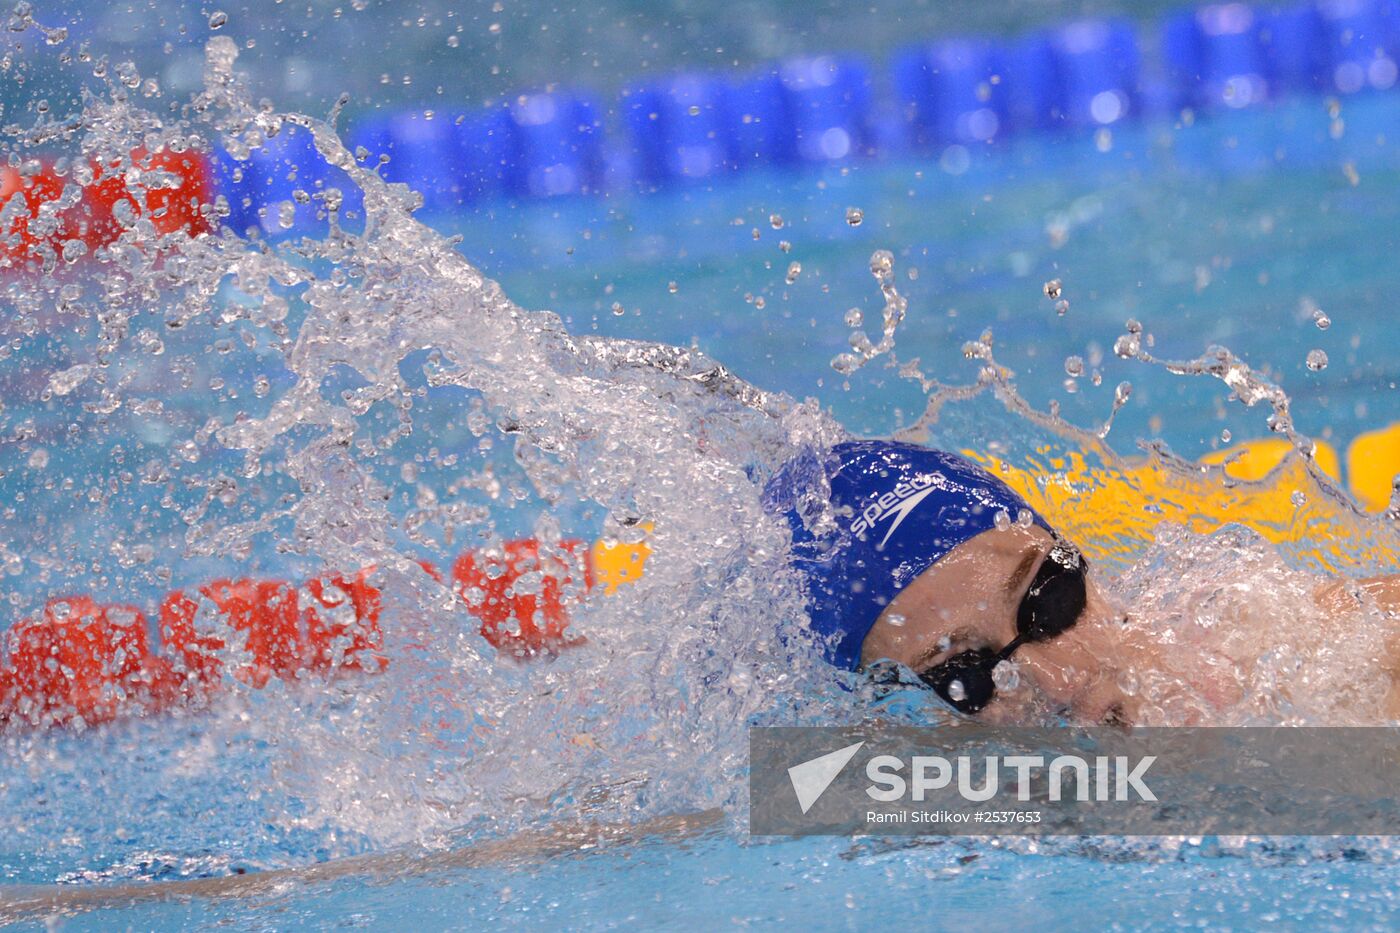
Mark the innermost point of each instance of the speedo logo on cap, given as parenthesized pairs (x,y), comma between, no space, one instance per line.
(895,504)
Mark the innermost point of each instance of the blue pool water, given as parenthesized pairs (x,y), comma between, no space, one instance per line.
(830,886)
(1228,229)
(1213,233)
(1142,219)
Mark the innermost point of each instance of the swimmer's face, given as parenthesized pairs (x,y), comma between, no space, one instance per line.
(969,600)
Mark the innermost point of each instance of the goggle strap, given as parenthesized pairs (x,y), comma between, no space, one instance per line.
(1011,647)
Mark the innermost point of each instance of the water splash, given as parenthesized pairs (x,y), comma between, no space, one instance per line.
(209,404)
(368,399)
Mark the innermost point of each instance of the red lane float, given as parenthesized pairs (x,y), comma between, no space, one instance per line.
(496,590)
(25,225)
(170,189)
(81,659)
(175,185)
(94,662)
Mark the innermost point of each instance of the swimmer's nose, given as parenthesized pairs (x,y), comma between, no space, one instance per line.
(1079,669)
(1070,675)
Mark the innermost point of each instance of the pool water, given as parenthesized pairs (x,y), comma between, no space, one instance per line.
(1230,230)
(826,885)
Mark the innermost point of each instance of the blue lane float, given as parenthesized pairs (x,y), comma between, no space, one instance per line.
(758,122)
(696,128)
(1099,65)
(452,159)
(558,145)
(829,100)
(1288,40)
(677,129)
(1030,85)
(284,187)
(1215,56)
(1359,43)
(950,92)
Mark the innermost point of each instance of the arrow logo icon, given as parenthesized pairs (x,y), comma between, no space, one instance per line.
(901,512)
(811,778)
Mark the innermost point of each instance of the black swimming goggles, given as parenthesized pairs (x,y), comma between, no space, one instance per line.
(1050,607)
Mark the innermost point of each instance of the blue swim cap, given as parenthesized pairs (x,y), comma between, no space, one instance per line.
(898,509)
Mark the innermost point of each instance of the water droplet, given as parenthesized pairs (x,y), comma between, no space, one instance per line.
(1133,327)
(794,270)
(694,110)
(617,308)
(854,216)
(776,220)
(785,246)
(854,318)
(1002,520)
(218,19)
(124,213)
(1298,498)
(1074,366)
(453,42)
(148,340)
(881,263)
(672,287)
(1052,289)
(956,693)
(1025,518)
(1006,675)
(1127,346)
(1317,360)
(1321,319)
(1061,307)
(760,302)
(286,214)
(1225,436)
(1123,392)
(896,620)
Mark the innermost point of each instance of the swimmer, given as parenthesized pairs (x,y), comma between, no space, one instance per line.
(918,562)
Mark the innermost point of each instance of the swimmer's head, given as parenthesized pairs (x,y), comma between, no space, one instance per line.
(1023,587)
(897,509)
(920,557)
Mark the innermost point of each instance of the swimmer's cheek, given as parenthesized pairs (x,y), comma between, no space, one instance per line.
(1391,709)
(1014,708)
(1061,684)
(1391,706)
